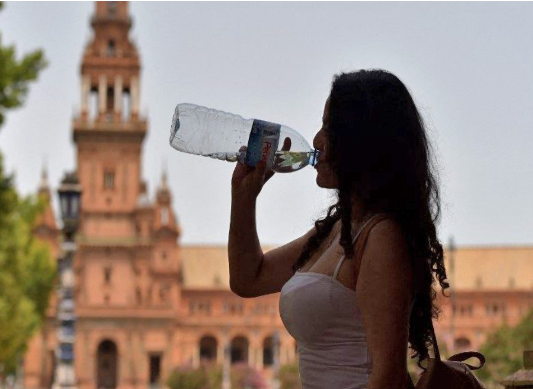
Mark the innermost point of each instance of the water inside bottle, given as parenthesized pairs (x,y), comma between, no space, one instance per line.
(291,161)
(284,161)
(230,157)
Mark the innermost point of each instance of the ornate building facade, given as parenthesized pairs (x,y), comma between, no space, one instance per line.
(490,286)
(139,312)
(145,304)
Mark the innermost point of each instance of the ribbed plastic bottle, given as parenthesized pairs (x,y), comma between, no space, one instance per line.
(225,136)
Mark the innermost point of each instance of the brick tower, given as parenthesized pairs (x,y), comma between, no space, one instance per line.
(127,295)
(144,305)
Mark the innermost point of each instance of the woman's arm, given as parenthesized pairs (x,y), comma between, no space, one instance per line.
(253,273)
(384,294)
(244,251)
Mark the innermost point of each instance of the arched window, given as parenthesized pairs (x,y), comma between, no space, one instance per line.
(268,352)
(462,343)
(111,8)
(239,349)
(110,101)
(107,365)
(109,179)
(111,48)
(107,274)
(208,349)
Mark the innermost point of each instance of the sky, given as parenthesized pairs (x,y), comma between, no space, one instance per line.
(469,67)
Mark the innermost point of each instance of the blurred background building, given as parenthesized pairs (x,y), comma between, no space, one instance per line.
(145,304)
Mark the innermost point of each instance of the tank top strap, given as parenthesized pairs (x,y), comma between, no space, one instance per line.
(370,223)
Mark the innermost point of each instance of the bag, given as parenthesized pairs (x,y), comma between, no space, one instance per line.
(439,374)
(451,374)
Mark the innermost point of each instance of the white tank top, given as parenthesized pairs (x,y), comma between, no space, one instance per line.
(322,315)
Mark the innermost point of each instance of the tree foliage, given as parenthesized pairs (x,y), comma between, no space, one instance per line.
(209,376)
(16,75)
(504,349)
(26,269)
(26,272)
(289,376)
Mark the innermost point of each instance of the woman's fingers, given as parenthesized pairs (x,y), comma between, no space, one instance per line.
(259,173)
(286,144)
(286,147)
(241,170)
(269,175)
(253,178)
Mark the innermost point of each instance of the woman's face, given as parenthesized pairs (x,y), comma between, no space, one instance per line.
(326,177)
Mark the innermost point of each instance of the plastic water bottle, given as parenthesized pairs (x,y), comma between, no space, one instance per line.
(217,134)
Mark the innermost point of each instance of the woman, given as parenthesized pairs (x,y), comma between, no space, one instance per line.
(354,308)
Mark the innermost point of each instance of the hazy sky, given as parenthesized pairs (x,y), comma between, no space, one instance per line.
(469,67)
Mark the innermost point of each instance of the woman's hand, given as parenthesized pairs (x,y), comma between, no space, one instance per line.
(247,182)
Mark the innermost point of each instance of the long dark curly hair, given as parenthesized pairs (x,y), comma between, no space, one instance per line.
(381,155)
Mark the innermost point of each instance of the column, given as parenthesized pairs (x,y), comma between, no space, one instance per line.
(144,364)
(90,373)
(102,94)
(195,356)
(252,355)
(260,357)
(85,90)
(226,382)
(256,345)
(166,363)
(131,359)
(276,365)
(123,372)
(220,352)
(293,354)
(135,96)
(118,96)
(282,354)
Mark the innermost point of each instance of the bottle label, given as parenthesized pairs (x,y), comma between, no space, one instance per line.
(263,143)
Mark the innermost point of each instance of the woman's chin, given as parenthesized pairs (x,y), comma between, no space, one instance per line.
(325,182)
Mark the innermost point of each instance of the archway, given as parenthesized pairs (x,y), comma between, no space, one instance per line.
(107,363)
(268,352)
(462,343)
(239,349)
(208,349)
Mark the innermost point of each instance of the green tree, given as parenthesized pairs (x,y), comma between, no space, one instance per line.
(26,273)
(209,376)
(289,376)
(26,269)
(186,377)
(504,348)
(16,75)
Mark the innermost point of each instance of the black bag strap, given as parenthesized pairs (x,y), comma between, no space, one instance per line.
(461,357)
(434,340)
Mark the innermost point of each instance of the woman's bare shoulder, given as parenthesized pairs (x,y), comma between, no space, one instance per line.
(388,234)
(386,255)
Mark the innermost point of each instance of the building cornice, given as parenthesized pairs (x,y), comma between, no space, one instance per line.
(127,242)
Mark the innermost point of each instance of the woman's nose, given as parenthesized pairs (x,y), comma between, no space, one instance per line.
(316,145)
(318,141)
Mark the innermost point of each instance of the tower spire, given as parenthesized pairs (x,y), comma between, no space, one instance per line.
(110,68)
(46,220)
(109,114)
(43,185)
(164,177)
